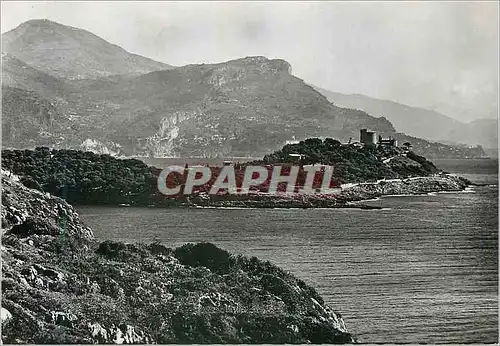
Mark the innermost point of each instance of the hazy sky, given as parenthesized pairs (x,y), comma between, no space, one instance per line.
(441,55)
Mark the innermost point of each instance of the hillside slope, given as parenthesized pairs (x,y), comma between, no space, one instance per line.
(242,107)
(29,120)
(74,53)
(107,103)
(18,74)
(421,122)
(59,286)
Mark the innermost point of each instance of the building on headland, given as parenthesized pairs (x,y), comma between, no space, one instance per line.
(370,137)
(297,157)
(387,142)
(367,137)
(293,141)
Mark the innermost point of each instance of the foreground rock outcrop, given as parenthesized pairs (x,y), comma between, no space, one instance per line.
(60,286)
(84,178)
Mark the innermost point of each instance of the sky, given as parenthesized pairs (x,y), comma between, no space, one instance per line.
(436,55)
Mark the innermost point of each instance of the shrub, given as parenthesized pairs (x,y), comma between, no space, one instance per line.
(204,254)
(111,249)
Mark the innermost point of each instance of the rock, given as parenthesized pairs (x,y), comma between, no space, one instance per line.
(29,213)
(95,288)
(50,273)
(5,315)
(416,185)
(129,335)
(63,318)
(30,273)
(23,282)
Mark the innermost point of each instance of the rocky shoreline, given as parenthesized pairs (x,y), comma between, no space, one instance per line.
(60,286)
(412,186)
(350,193)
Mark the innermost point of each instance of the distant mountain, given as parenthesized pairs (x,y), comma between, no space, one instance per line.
(68,52)
(245,107)
(421,122)
(248,106)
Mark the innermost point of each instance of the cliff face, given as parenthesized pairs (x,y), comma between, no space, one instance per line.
(60,286)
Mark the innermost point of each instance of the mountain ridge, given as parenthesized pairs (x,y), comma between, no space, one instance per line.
(90,55)
(18,74)
(420,122)
(61,286)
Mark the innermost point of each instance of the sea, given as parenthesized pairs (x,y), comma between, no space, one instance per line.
(423,269)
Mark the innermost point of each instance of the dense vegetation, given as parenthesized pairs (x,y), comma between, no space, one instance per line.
(88,178)
(83,177)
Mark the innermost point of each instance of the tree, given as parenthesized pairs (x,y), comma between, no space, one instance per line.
(407,145)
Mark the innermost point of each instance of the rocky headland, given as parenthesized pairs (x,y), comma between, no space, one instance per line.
(59,285)
(65,87)
(85,178)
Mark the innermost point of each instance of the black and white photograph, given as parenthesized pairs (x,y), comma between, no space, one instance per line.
(249,172)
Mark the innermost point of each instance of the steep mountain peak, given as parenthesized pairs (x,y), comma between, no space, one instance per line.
(36,28)
(74,53)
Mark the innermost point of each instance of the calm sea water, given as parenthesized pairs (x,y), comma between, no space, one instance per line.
(422,270)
